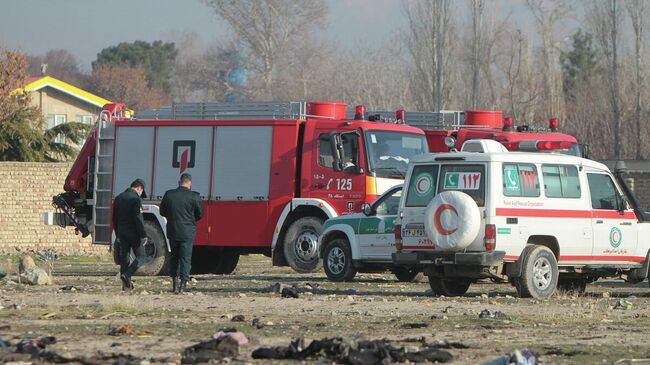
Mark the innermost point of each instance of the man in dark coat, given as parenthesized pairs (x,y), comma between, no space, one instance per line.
(182,207)
(129,229)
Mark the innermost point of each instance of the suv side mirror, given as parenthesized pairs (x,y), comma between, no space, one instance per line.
(620,204)
(367,209)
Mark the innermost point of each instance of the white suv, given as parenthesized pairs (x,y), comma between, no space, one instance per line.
(540,221)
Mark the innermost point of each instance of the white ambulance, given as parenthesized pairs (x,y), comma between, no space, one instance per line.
(538,220)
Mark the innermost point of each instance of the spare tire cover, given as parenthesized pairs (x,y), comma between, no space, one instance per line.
(452,220)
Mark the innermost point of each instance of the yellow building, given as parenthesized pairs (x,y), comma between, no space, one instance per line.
(61,102)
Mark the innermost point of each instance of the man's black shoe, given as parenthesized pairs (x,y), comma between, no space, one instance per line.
(183,287)
(175,286)
(126,283)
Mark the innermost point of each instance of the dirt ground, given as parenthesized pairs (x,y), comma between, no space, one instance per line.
(565,329)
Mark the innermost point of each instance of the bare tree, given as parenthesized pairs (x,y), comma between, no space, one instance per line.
(637,11)
(428,41)
(270,30)
(548,15)
(477,42)
(604,17)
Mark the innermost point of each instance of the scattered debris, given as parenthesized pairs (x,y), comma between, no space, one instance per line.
(523,357)
(123,330)
(622,304)
(355,352)
(26,262)
(290,292)
(257,323)
(486,313)
(561,352)
(414,325)
(70,288)
(36,276)
(214,349)
(238,318)
(237,336)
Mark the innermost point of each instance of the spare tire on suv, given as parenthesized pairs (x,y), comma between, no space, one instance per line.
(452,220)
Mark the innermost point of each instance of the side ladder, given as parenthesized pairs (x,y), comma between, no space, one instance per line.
(103,181)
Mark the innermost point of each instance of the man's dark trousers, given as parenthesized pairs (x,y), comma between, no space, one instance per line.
(181,254)
(126,245)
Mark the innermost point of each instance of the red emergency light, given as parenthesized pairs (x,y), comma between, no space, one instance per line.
(400,115)
(554,124)
(359,112)
(533,146)
(508,125)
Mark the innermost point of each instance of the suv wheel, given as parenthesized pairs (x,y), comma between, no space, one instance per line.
(539,275)
(337,261)
(449,287)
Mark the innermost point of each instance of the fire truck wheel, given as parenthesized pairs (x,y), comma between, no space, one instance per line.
(202,261)
(338,261)
(449,287)
(226,263)
(301,244)
(115,250)
(539,275)
(406,274)
(157,256)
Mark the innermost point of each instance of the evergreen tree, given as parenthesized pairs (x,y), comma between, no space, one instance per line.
(580,64)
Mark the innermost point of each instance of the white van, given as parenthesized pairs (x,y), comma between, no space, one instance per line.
(538,220)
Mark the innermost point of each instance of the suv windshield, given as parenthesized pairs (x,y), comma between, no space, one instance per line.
(390,152)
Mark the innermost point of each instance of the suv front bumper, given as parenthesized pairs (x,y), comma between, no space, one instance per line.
(449,258)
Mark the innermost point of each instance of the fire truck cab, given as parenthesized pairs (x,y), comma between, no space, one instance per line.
(269,175)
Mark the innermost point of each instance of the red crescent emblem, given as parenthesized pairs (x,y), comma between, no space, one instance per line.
(436,219)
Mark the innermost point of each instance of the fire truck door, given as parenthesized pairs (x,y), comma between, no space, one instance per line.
(344,189)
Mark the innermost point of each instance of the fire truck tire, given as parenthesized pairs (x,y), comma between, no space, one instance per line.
(449,287)
(539,274)
(452,221)
(406,274)
(226,263)
(157,257)
(337,261)
(202,261)
(301,244)
(115,250)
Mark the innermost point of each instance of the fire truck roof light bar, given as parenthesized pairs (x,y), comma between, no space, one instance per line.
(228,111)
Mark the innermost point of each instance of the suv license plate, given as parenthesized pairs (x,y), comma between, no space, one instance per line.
(414,232)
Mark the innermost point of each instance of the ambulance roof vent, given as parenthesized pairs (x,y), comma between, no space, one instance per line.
(483,146)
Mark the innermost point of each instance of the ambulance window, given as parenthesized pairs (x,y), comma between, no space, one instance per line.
(520,180)
(561,181)
(422,187)
(470,179)
(603,191)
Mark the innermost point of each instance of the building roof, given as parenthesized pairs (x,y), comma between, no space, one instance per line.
(37,83)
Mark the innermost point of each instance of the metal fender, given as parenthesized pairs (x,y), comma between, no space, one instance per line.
(349,233)
(295,203)
(154,210)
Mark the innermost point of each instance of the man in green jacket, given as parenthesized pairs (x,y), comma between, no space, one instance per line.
(129,229)
(182,207)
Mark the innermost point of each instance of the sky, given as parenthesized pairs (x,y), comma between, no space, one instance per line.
(85,27)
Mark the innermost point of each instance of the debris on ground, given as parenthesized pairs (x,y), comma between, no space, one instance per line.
(123,330)
(211,350)
(286,291)
(290,292)
(523,357)
(486,313)
(70,288)
(414,325)
(237,336)
(622,304)
(32,274)
(238,318)
(355,352)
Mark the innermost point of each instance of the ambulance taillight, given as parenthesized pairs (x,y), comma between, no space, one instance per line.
(490,238)
(398,236)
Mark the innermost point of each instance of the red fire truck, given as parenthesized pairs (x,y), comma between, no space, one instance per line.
(269,174)
(450,129)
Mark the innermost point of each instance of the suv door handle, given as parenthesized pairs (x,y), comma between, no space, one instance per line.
(626,223)
(599,221)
